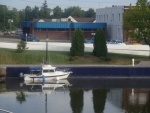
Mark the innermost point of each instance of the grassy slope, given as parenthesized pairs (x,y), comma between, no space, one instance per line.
(8,56)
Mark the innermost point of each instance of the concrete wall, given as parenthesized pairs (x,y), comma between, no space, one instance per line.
(92,71)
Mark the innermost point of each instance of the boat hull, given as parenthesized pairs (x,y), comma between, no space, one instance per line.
(42,78)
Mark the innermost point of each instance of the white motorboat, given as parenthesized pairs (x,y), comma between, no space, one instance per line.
(46,73)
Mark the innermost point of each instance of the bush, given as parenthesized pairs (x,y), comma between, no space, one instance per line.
(100,47)
(21,47)
(77,43)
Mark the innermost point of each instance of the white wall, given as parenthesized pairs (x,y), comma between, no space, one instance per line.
(113,16)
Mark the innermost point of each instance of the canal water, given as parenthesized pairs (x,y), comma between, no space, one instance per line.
(76,96)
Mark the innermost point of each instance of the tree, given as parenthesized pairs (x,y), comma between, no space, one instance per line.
(73,11)
(90,13)
(57,12)
(35,12)
(13,14)
(100,47)
(28,13)
(141,3)
(45,11)
(3,16)
(22,15)
(137,22)
(77,44)
(21,46)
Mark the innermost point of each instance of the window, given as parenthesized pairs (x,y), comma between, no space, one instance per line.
(45,71)
(112,17)
(119,16)
(51,70)
(107,17)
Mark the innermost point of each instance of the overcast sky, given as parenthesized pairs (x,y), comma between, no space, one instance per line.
(84,4)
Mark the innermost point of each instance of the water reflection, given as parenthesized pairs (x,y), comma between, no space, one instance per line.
(99,99)
(76,100)
(136,100)
(76,96)
(20,96)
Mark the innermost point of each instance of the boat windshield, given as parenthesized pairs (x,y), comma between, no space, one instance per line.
(35,72)
(48,70)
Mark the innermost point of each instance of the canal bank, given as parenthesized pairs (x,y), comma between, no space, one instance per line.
(90,71)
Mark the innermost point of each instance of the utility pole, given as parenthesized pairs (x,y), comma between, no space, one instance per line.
(46,61)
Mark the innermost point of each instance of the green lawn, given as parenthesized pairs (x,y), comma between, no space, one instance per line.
(9,56)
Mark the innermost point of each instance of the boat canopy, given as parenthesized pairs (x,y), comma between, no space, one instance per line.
(35,68)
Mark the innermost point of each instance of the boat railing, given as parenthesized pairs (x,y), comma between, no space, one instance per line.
(5,111)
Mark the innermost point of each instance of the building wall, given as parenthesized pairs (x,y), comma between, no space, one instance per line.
(113,16)
(61,30)
(53,35)
(60,35)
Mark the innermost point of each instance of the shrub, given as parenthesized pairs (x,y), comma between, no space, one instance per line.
(77,43)
(21,47)
(100,47)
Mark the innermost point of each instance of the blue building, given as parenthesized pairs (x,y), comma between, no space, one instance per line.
(59,30)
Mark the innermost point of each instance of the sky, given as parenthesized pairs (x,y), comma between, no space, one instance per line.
(84,4)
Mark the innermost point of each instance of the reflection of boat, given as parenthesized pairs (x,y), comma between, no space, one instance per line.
(47,72)
(46,86)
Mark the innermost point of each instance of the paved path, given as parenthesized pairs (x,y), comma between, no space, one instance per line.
(62,46)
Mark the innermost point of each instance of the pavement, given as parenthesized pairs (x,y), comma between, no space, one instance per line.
(65,46)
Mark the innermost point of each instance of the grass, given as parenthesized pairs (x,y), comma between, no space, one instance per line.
(9,56)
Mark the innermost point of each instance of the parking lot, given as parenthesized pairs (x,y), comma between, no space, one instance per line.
(65,46)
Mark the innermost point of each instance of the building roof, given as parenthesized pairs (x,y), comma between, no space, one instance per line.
(85,19)
(72,19)
(42,20)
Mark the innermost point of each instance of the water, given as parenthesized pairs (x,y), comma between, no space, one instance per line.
(77,96)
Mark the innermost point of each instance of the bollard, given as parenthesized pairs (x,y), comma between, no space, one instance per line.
(133,62)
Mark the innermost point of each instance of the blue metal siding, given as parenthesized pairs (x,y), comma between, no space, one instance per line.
(25,24)
(88,25)
(64,25)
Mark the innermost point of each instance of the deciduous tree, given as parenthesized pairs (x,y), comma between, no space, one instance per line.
(57,12)
(137,22)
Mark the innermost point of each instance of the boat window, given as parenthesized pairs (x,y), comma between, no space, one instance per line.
(51,70)
(46,71)
(35,72)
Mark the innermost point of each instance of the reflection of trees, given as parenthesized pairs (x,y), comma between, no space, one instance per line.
(99,99)
(139,108)
(20,96)
(2,87)
(76,101)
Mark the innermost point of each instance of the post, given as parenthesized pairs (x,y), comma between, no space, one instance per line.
(46,62)
(10,21)
(26,37)
(149,51)
(133,62)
